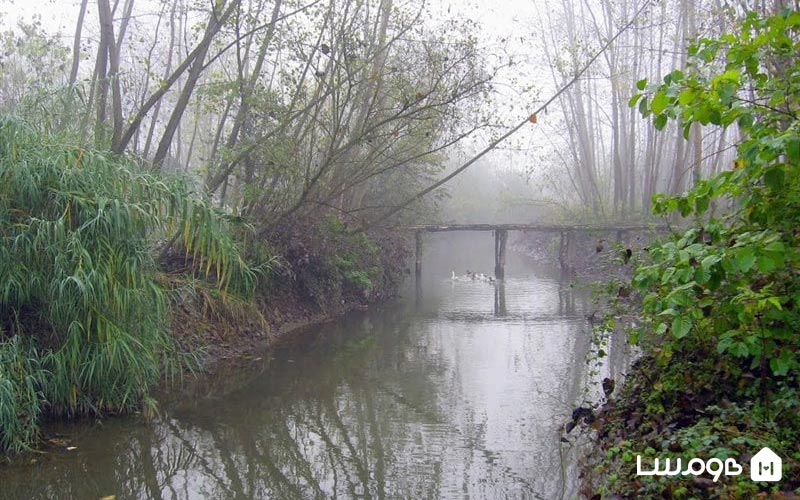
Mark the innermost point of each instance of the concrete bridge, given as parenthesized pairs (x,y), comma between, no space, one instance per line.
(501,237)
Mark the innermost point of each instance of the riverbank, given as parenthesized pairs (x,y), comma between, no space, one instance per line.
(217,335)
(684,397)
(690,407)
(689,396)
(589,256)
(114,279)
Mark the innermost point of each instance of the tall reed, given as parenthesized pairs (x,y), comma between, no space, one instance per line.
(79,294)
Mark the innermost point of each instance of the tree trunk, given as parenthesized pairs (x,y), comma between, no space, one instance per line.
(101,64)
(215,22)
(167,69)
(76,44)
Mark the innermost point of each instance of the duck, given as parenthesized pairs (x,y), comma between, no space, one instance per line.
(454,277)
(471,276)
(484,277)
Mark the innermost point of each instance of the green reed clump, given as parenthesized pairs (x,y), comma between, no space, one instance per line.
(21,378)
(78,230)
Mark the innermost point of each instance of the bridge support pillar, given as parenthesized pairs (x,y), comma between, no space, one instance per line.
(500,238)
(565,251)
(418,255)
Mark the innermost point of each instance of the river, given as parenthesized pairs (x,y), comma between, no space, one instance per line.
(457,390)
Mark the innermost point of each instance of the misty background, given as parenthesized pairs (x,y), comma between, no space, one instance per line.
(589,156)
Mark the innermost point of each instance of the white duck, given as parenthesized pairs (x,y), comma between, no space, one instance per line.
(470,276)
(453,277)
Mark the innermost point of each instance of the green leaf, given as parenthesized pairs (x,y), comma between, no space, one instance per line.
(744,259)
(701,203)
(709,261)
(641,84)
(778,366)
(684,206)
(636,335)
(776,303)
(765,264)
(793,151)
(703,114)
(686,129)
(660,102)
(660,121)
(634,100)
(686,97)
(775,247)
(732,75)
(681,327)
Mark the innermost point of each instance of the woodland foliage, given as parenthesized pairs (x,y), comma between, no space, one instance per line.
(721,300)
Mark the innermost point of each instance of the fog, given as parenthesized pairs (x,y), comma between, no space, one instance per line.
(587,156)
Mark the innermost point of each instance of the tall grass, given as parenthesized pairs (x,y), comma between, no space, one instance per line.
(21,379)
(79,295)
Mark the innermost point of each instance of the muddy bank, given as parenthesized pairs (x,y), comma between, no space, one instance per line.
(323,271)
(215,333)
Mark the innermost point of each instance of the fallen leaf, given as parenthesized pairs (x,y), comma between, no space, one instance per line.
(532,118)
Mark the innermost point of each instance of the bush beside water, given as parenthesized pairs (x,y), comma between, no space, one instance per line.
(719,304)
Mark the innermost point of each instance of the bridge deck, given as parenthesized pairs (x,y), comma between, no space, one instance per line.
(501,237)
(432,228)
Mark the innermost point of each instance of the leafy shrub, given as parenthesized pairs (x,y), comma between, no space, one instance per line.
(721,299)
(734,281)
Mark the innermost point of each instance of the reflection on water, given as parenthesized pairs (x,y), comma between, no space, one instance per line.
(458,394)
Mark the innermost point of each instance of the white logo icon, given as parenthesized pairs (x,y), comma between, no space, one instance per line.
(766,466)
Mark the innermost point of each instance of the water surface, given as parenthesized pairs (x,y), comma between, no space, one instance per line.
(457,391)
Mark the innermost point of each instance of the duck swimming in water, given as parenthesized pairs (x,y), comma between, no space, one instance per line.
(470,276)
(484,277)
(454,277)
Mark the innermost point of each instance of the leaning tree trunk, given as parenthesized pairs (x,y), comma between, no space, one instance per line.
(215,22)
